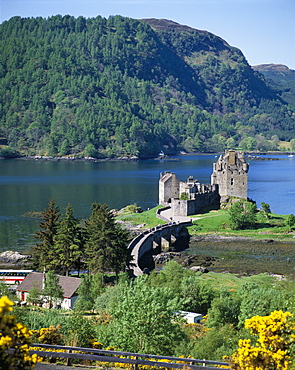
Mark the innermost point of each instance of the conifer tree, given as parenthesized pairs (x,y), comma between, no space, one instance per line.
(68,244)
(106,242)
(42,252)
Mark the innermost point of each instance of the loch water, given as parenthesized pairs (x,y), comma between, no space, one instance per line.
(28,185)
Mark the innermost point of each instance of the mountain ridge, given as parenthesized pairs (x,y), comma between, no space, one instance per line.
(281,78)
(119,86)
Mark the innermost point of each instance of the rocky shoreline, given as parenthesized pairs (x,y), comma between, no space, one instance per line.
(13,259)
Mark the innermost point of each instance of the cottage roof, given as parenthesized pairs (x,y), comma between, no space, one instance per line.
(34,279)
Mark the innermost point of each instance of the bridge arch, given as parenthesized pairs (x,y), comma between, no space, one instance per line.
(156,239)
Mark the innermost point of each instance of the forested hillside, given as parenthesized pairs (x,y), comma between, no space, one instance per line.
(281,78)
(118,86)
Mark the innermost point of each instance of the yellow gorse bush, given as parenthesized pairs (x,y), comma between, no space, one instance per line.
(14,340)
(273,336)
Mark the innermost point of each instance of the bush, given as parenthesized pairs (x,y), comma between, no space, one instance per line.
(242,215)
(15,337)
(271,344)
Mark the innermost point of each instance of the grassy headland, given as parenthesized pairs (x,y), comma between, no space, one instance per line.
(217,222)
(267,248)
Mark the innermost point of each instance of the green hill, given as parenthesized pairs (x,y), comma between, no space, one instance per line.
(118,86)
(281,78)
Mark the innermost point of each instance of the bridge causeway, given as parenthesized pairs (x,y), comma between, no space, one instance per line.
(156,238)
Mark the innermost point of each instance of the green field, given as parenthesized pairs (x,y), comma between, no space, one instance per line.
(217,222)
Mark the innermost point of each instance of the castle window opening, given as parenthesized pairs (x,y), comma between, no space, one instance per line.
(231,181)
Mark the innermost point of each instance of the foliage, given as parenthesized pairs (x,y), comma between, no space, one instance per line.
(197,294)
(106,242)
(16,337)
(133,208)
(91,287)
(35,318)
(51,335)
(122,87)
(78,331)
(52,290)
(34,296)
(216,343)
(290,221)
(68,243)
(42,252)
(224,309)
(144,321)
(4,290)
(170,276)
(260,300)
(271,344)
(266,209)
(242,215)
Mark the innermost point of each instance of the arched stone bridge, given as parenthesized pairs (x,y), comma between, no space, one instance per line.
(156,239)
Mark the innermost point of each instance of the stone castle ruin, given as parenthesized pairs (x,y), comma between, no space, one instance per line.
(229,179)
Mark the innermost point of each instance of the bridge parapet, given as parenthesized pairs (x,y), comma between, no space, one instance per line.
(145,242)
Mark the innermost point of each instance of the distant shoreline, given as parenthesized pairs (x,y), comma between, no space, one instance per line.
(250,155)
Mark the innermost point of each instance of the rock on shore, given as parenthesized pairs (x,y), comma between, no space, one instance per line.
(12,257)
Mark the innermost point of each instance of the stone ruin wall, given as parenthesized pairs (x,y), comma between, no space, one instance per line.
(168,187)
(230,172)
(229,178)
(193,206)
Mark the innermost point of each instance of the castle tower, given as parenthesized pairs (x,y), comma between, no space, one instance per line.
(168,187)
(230,173)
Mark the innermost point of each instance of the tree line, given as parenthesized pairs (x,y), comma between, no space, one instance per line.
(65,243)
(114,87)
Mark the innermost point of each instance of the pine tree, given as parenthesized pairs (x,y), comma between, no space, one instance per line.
(42,252)
(68,244)
(106,244)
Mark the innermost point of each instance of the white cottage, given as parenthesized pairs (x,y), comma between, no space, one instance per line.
(69,286)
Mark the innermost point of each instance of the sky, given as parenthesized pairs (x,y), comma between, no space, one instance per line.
(264,30)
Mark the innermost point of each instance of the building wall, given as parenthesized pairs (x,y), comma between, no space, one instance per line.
(229,178)
(193,206)
(66,303)
(168,187)
(230,173)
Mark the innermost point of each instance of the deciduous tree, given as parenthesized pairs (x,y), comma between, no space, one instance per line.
(144,320)
(242,215)
(52,289)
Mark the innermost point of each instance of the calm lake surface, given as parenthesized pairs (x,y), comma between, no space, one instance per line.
(28,185)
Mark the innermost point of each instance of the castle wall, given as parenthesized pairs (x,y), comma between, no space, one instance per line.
(168,187)
(229,178)
(193,206)
(230,172)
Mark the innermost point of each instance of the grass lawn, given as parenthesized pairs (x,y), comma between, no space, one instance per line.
(217,222)
(146,218)
(233,282)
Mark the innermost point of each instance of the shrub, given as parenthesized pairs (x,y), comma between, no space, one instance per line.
(271,344)
(242,215)
(15,337)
